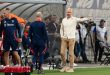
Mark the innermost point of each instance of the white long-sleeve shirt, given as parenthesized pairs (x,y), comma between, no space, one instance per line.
(68,27)
(83,31)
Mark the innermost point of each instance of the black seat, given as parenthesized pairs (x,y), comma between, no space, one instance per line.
(106,53)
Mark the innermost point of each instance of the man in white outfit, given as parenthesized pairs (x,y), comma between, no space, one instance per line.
(67,32)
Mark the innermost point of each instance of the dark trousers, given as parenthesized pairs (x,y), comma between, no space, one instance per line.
(83,53)
(77,50)
(38,55)
(80,50)
(98,51)
(51,45)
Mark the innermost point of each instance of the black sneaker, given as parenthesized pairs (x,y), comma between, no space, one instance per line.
(99,60)
(86,61)
(41,71)
(31,67)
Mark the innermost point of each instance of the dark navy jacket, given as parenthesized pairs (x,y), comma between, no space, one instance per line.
(38,33)
(10,27)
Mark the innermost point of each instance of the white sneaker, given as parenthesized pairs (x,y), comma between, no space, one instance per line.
(75,65)
(69,69)
(18,65)
(1,67)
(7,65)
(63,69)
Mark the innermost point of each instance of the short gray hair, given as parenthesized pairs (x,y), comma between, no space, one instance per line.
(39,14)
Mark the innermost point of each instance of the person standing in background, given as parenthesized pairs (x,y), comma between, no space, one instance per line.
(39,40)
(82,34)
(52,29)
(100,35)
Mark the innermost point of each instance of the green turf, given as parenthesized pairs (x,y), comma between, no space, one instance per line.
(86,71)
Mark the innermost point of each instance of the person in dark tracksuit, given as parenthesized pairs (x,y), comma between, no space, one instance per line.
(9,27)
(39,40)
